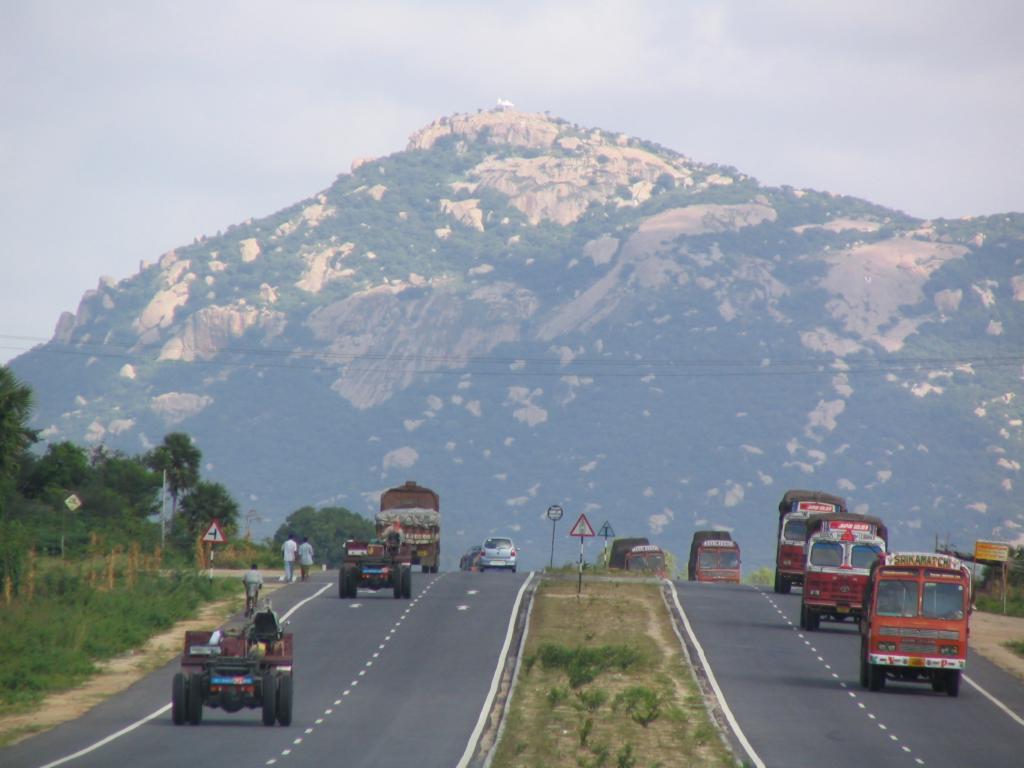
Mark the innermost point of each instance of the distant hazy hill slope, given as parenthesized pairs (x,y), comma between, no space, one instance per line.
(517,311)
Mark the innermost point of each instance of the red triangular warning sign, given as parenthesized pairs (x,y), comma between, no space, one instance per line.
(215,534)
(582,527)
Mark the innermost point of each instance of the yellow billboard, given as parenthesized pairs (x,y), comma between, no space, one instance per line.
(992,551)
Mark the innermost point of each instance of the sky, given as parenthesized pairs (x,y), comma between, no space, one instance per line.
(127,128)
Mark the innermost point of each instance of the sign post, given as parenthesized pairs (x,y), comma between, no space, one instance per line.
(994,552)
(214,535)
(554,514)
(72,503)
(606,531)
(584,530)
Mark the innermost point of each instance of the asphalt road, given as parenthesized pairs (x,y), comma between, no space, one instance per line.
(378,682)
(798,701)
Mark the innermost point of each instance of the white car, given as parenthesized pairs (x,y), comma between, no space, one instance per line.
(498,552)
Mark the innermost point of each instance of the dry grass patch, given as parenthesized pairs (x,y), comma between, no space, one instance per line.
(603,683)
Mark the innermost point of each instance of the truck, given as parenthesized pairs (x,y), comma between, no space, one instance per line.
(794,509)
(376,565)
(916,621)
(620,548)
(714,556)
(231,669)
(415,513)
(840,551)
(646,559)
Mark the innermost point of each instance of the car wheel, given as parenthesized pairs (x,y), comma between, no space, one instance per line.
(194,708)
(179,692)
(269,698)
(284,700)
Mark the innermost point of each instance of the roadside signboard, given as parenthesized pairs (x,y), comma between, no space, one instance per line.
(214,534)
(72,502)
(993,551)
(606,530)
(582,528)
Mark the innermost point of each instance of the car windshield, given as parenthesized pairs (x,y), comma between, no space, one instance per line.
(827,553)
(498,544)
(795,530)
(896,597)
(863,555)
(943,600)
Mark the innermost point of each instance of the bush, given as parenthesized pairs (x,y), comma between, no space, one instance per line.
(583,665)
(641,703)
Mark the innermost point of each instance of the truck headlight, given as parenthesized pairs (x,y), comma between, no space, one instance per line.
(887,647)
(814,592)
(948,650)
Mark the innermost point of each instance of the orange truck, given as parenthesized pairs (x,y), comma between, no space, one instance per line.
(794,509)
(841,548)
(714,556)
(646,559)
(415,513)
(915,625)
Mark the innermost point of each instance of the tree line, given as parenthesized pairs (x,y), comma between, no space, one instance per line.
(122,497)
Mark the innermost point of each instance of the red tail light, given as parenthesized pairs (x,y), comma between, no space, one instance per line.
(513,553)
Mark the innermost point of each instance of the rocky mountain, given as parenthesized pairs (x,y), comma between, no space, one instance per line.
(518,311)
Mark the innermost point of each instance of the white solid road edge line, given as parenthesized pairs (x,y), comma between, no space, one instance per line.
(711,679)
(995,701)
(162,710)
(489,701)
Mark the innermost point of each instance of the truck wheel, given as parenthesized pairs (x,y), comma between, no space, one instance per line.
(785,585)
(813,620)
(194,708)
(406,582)
(347,582)
(396,581)
(953,682)
(876,677)
(179,691)
(938,681)
(864,665)
(284,700)
(778,583)
(803,616)
(269,698)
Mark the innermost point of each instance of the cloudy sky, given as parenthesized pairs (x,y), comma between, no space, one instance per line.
(129,128)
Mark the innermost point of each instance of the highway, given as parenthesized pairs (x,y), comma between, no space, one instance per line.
(378,682)
(797,700)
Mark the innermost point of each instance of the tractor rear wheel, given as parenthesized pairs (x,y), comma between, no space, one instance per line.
(269,698)
(284,700)
(194,708)
(406,582)
(179,691)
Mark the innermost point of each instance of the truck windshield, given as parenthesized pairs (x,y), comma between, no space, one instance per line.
(827,553)
(863,555)
(795,530)
(728,558)
(707,559)
(943,600)
(896,598)
(646,563)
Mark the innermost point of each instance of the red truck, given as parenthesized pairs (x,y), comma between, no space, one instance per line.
(415,513)
(794,509)
(646,559)
(714,556)
(841,549)
(915,626)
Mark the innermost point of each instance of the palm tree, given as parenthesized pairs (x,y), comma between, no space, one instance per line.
(16,403)
(180,458)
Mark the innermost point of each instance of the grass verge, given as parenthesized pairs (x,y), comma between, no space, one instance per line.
(1017,646)
(604,683)
(54,641)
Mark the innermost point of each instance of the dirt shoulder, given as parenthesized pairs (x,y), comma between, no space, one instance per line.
(120,672)
(988,633)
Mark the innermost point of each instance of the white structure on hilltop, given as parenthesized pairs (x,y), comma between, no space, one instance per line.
(504,104)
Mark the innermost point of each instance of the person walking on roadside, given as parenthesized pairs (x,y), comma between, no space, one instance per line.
(305,557)
(288,549)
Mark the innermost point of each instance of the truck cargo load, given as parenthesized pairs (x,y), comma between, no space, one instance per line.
(414,512)
(794,509)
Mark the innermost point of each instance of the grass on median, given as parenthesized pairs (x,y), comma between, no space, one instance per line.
(603,683)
